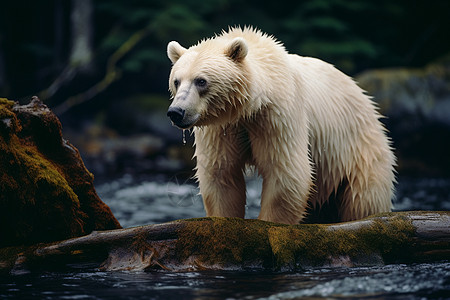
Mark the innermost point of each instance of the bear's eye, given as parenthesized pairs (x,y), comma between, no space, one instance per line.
(176,83)
(200,82)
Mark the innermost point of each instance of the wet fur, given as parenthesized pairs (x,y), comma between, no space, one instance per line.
(309,130)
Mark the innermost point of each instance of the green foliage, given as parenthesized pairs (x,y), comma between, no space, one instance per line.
(353,35)
(333,30)
(328,29)
(177,20)
(164,22)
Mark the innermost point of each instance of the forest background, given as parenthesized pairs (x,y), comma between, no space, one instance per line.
(101,65)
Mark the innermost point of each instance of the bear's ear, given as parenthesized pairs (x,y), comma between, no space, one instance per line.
(174,51)
(237,50)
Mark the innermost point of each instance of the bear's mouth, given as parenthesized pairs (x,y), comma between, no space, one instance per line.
(182,126)
(181,119)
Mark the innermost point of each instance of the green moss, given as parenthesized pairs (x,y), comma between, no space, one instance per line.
(8,104)
(299,246)
(47,194)
(41,192)
(225,242)
(40,170)
(390,236)
(228,241)
(10,123)
(311,245)
(37,202)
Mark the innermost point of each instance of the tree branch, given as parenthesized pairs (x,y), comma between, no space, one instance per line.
(112,73)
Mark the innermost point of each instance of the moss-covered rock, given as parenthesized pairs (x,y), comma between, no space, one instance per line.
(406,91)
(416,103)
(46,193)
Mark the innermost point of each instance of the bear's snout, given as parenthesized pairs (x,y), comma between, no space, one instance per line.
(176,114)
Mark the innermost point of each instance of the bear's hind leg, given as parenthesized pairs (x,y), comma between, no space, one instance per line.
(368,191)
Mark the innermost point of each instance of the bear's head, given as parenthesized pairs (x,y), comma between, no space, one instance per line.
(208,82)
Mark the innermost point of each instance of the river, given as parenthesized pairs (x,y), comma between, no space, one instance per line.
(137,201)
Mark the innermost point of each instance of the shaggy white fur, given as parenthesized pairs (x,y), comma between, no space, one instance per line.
(309,130)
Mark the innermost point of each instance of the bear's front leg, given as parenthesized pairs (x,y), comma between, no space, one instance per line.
(281,157)
(284,196)
(220,163)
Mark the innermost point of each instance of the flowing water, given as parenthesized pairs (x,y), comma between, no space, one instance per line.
(138,201)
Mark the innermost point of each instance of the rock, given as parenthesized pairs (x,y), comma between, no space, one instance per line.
(108,154)
(46,192)
(238,244)
(132,136)
(416,103)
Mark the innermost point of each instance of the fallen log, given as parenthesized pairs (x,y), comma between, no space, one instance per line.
(237,244)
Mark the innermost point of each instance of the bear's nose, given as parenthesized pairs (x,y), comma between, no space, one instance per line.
(175,114)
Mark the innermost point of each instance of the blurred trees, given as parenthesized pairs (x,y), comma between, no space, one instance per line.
(81,47)
(41,40)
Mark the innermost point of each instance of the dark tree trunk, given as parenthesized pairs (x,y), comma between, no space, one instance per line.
(58,46)
(81,50)
(2,68)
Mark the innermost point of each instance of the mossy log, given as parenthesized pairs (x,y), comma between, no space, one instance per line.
(46,192)
(237,244)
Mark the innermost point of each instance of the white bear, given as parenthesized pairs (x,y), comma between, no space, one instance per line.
(312,134)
